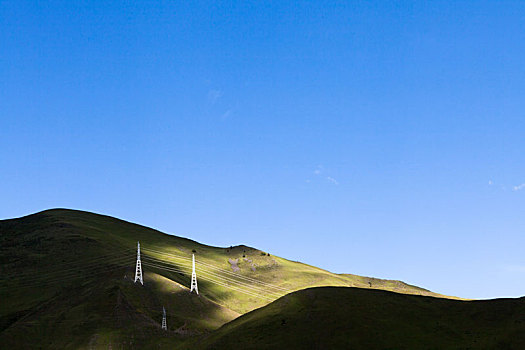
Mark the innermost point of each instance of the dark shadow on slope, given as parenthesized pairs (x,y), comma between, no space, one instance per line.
(353,318)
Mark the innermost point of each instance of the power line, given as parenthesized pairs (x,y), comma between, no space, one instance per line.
(251,279)
(56,273)
(206,274)
(82,263)
(227,272)
(224,278)
(112,253)
(61,279)
(217,282)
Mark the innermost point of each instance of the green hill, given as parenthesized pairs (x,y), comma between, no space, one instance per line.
(354,318)
(67,282)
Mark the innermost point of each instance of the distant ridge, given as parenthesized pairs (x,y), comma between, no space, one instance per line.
(354,318)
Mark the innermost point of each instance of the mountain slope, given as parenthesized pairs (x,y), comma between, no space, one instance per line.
(66,282)
(354,318)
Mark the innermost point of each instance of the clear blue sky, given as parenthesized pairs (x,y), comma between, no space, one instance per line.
(381,138)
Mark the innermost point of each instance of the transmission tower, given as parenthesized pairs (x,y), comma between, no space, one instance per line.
(164,319)
(138,270)
(194,278)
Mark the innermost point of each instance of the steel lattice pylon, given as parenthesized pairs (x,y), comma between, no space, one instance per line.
(164,326)
(194,278)
(138,269)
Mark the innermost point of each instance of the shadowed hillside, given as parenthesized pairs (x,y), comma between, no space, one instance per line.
(353,318)
(67,282)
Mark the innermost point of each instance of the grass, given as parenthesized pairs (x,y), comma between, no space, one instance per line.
(354,318)
(66,282)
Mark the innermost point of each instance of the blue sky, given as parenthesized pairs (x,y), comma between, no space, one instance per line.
(378,138)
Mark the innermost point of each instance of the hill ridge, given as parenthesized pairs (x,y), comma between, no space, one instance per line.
(54,252)
(356,318)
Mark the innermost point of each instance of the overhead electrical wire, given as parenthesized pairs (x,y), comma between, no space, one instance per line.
(62,279)
(101,262)
(225,279)
(206,277)
(228,282)
(83,262)
(231,273)
(209,272)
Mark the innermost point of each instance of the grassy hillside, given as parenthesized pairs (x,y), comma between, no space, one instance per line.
(66,282)
(353,318)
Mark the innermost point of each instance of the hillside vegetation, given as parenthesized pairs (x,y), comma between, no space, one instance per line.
(353,318)
(67,282)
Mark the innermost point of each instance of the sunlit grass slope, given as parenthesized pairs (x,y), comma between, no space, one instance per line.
(354,318)
(67,282)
